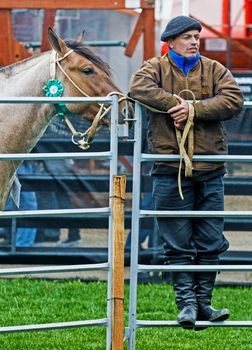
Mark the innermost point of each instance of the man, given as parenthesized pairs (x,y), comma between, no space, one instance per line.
(165,84)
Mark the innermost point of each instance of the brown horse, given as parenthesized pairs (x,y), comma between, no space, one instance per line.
(76,70)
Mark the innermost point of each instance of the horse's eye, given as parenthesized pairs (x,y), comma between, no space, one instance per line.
(88,71)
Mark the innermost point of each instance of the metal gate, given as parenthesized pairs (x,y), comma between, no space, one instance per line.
(112,156)
(138,214)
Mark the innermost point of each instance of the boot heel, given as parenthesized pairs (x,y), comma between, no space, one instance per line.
(187,317)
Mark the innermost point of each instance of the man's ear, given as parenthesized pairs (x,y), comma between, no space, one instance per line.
(170,43)
(56,42)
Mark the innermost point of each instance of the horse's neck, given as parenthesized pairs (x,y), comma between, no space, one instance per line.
(25,78)
(22,125)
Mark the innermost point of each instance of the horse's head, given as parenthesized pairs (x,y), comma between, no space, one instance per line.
(83,73)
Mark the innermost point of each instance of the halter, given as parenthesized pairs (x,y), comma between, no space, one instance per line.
(54,88)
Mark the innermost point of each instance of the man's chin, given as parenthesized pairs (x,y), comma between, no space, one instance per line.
(192,54)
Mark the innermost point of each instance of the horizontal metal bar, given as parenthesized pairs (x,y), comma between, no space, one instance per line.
(76,4)
(32,99)
(108,43)
(230,224)
(95,212)
(112,43)
(39,100)
(52,269)
(195,213)
(179,268)
(245,103)
(147,323)
(100,183)
(145,157)
(48,326)
(68,155)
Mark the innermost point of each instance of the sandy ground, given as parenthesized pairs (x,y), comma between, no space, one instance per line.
(239,241)
(93,238)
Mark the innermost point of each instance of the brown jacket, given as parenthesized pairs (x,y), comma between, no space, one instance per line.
(219,98)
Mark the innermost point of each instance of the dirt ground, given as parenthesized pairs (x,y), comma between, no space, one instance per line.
(240,241)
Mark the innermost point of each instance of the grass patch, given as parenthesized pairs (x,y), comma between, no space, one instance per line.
(27,301)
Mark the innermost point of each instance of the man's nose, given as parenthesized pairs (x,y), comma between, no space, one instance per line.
(194,40)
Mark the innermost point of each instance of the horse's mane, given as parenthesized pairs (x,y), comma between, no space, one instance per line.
(83,50)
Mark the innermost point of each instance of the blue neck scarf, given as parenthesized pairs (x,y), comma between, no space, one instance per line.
(183,63)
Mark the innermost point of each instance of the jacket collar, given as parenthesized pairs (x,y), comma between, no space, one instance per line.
(183,63)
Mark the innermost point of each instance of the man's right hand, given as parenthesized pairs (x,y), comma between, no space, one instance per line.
(180,112)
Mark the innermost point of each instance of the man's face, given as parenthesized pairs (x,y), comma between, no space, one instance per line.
(186,44)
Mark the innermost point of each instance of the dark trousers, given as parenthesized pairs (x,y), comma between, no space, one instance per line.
(188,237)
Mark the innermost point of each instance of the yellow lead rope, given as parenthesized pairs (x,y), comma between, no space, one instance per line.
(181,139)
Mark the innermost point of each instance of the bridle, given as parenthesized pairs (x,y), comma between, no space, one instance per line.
(54,88)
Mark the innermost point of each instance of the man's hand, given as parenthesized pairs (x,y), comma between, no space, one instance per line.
(180,112)
(180,126)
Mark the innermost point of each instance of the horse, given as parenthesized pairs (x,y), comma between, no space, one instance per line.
(70,69)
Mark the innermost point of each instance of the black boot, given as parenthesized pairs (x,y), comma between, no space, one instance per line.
(204,284)
(183,284)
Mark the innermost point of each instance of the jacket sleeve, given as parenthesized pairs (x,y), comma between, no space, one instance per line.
(145,87)
(227,100)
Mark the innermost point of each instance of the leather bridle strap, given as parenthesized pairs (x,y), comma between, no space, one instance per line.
(55,60)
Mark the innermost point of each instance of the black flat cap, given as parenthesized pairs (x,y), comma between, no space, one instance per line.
(179,25)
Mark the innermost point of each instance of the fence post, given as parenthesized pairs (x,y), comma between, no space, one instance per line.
(119,188)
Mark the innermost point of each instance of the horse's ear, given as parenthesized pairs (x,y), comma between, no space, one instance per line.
(81,36)
(56,42)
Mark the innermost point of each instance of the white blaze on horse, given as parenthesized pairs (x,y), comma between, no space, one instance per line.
(71,69)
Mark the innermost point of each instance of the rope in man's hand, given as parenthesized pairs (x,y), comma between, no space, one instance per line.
(182,136)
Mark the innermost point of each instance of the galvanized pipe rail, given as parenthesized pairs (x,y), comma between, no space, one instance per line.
(93,212)
(68,155)
(145,157)
(195,214)
(164,323)
(53,100)
(51,326)
(201,268)
(53,269)
(112,156)
(138,214)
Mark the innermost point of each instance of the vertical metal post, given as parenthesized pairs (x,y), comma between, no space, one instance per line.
(225,16)
(226,29)
(13,234)
(185,8)
(135,227)
(229,48)
(248,18)
(113,172)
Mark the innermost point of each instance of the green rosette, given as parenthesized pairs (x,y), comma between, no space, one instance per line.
(53,88)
